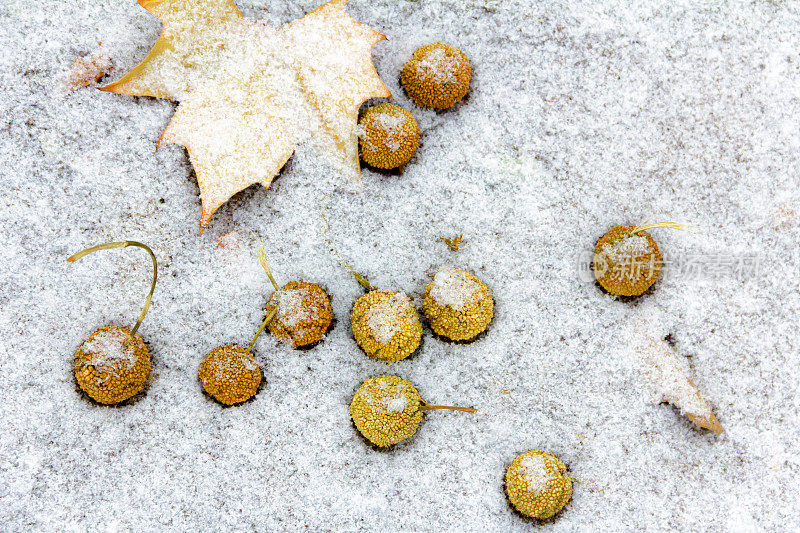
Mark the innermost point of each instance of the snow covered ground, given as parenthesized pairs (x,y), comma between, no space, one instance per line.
(581,116)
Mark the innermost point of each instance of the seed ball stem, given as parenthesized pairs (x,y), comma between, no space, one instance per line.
(672,225)
(263,325)
(427,407)
(359,278)
(125,244)
(262,258)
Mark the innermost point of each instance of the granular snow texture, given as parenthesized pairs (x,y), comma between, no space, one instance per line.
(581,116)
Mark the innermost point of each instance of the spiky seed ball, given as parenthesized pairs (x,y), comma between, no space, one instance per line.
(537,484)
(626,264)
(304,313)
(437,76)
(386,325)
(385,409)
(388,136)
(230,374)
(112,365)
(457,305)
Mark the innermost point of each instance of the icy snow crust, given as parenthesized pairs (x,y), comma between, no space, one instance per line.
(581,116)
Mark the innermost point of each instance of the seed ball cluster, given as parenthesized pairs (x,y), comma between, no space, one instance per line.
(385,409)
(304,313)
(112,365)
(626,264)
(457,305)
(388,135)
(437,76)
(230,374)
(386,325)
(537,484)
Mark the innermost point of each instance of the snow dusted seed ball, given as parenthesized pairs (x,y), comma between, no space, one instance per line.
(457,305)
(388,136)
(304,313)
(385,409)
(437,76)
(386,325)
(537,484)
(230,374)
(626,264)
(112,365)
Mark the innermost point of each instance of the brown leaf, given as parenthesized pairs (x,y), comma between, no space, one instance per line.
(249,94)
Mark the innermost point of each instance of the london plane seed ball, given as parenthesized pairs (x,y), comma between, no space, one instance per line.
(626,264)
(303,314)
(437,76)
(388,135)
(537,484)
(386,325)
(385,409)
(388,409)
(457,305)
(112,365)
(230,374)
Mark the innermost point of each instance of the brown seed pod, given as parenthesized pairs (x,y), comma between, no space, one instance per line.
(112,365)
(230,374)
(457,305)
(437,76)
(386,325)
(389,136)
(626,263)
(388,409)
(300,312)
(304,313)
(537,484)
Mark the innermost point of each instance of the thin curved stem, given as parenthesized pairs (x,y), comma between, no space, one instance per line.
(359,278)
(125,244)
(428,407)
(261,329)
(262,258)
(672,225)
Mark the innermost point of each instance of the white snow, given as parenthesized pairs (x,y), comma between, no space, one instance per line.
(388,316)
(438,66)
(453,287)
(291,310)
(581,116)
(108,349)
(534,471)
(396,404)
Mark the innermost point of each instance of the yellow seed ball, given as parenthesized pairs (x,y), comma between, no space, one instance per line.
(386,325)
(230,374)
(437,76)
(537,484)
(457,305)
(385,409)
(304,313)
(389,136)
(112,365)
(626,264)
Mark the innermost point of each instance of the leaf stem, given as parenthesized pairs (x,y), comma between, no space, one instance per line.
(125,244)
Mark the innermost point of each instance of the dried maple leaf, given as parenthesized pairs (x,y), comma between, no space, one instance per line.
(249,93)
(668,376)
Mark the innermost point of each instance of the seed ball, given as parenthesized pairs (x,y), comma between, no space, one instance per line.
(304,313)
(437,76)
(457,305)
(389,136)
(537,484)
(385,409)
(230,374)
(112,365)
(625,264)
(386,325)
